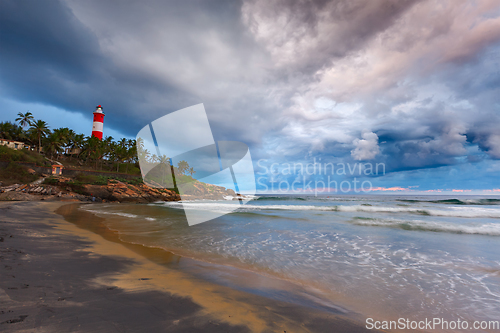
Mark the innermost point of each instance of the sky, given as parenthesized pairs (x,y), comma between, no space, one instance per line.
(412,85)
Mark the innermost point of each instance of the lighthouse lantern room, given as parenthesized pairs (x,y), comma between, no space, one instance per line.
(97,126)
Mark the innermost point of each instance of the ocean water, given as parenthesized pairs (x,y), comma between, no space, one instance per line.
(384,256)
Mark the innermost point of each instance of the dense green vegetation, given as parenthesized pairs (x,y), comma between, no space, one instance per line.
(15,173)
(86,152)
(77,150)
(23,155)
(84,179)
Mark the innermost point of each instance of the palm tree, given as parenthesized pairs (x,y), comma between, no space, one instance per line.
(93,150)
(182,166)
(120,152)
(163,159)
(143,154)
(41,129)
(164,170)
(25,119)
(63,136)
(63,133)
(114,154)
(123,142)
(191,171)
(19,134)
(134,153)
(54,144)
(5,130)
(131,152)
(122,155)
(154,159)
(12,131)
(107,149)
(76,143)
(87,148)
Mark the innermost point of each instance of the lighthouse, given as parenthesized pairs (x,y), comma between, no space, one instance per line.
(97,126)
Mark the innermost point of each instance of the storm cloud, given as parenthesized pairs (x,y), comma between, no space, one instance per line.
(413,84)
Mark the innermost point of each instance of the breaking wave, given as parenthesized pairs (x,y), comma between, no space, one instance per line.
(492,229)
(282,198)
(117,214)
(457,201)
(467,212)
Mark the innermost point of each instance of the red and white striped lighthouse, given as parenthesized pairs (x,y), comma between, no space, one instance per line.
(97,126)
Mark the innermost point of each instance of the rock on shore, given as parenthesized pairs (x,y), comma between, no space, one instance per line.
(34,192)
(64,190)
(122,192)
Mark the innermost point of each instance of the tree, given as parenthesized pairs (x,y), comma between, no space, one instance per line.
(6,130)
(41,129)
(76,143)
(154,159)
(25,119)
(130,153)
(120,153)
(107,149)
(19,134)
(53,144)
(90,149)
(182,166)
(144,155)
(11,131)
(164,170)
(163,159)
(63,136)
(191,171)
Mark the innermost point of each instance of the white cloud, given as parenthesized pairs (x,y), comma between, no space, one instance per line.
(366,148)
(391,80)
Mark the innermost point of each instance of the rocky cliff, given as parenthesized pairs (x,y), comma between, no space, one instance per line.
(67,189)
(123,192)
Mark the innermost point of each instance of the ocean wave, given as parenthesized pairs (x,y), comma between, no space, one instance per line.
(491,229)
(118,214)
(480,202)
(304,198)
(226,207)
(111,213)
(279,198)
(466,212)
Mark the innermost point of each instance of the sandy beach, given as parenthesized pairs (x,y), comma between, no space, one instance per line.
(60,276)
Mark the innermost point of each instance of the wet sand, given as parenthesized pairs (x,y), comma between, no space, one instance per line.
(60,276)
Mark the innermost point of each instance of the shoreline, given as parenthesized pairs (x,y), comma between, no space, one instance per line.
(224,274)
(174,299)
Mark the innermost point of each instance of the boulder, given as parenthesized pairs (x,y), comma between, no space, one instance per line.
(97,191)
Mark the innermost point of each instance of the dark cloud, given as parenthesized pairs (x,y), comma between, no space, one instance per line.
(293,79)
(49,56)
(47,35)
(308,35)
(43,47)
